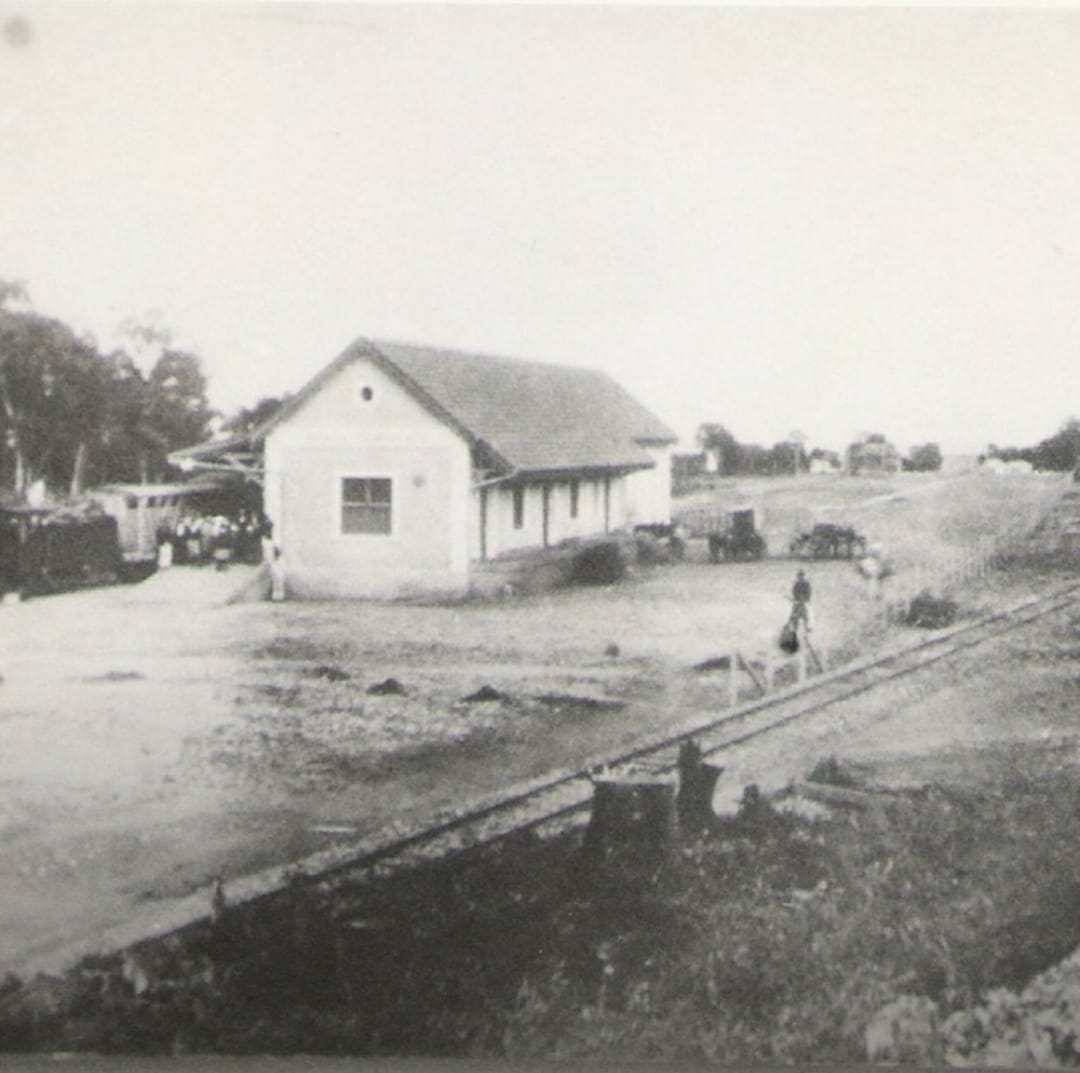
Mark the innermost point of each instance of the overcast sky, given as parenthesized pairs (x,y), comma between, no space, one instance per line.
(828,220)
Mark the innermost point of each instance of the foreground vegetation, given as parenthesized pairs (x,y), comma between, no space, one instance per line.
(770,938)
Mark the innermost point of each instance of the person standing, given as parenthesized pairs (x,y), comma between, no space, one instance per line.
(277,577)
(266,540)
(164,548)
(800,601)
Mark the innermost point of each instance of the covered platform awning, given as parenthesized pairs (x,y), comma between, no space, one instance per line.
(239,455)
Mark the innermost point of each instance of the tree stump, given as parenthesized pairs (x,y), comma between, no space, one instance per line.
(697,783)
(632,825)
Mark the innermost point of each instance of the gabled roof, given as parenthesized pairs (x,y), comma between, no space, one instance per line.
(525,416)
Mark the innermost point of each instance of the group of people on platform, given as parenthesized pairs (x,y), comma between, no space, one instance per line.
(217,539)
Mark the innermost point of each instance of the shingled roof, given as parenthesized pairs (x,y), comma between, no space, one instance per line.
(528,417)
(521,417)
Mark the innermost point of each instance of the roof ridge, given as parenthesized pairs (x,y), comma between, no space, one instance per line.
(484,355)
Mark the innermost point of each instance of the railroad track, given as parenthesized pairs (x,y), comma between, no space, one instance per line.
(561,801)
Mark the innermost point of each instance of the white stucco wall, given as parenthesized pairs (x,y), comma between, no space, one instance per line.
(338,434)
(648,497)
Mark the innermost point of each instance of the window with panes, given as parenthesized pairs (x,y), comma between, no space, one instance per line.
(366,504)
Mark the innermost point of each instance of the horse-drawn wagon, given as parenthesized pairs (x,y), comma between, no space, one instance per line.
(738,539)
(661,541)
(731,535)
(828,541)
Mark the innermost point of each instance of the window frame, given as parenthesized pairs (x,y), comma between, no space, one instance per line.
(575,497)
(340,532)
(518,506)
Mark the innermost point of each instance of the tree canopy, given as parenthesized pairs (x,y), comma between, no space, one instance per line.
(1060,451)
(735,458)
(249,418)
(925,458)
(70,415)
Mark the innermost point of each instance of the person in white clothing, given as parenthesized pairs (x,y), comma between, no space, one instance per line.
(277,577)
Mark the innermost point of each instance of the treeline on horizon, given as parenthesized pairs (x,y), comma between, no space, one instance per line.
(1056,453)
(735,459)
(74,416)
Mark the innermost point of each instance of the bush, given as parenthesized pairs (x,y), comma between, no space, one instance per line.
(930,612)
(650,551)
(599,564)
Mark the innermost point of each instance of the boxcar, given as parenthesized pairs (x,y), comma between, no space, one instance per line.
(44,550)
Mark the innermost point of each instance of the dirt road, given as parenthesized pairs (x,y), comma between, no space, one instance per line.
(153,738)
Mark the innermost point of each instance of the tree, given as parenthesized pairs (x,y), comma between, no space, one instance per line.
(1062,450)
(50,398)
(249,418)
(715,440)
(755,459)
(177,407)
(1058,452)
(69,414)
(128,443)
(798,439)
(155,413)
(925,458)
(787,456)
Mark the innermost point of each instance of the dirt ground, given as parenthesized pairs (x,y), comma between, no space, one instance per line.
(155,737)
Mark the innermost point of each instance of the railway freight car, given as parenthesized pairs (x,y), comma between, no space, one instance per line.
(46,550)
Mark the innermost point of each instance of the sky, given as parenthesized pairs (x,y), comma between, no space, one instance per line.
(835,221)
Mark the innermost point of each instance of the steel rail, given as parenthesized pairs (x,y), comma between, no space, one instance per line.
(546,802)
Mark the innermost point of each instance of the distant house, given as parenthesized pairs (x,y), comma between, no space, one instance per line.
(1015,465)
(872,455)
(822,461)
(402,469)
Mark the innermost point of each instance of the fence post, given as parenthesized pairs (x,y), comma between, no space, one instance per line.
(733,679)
